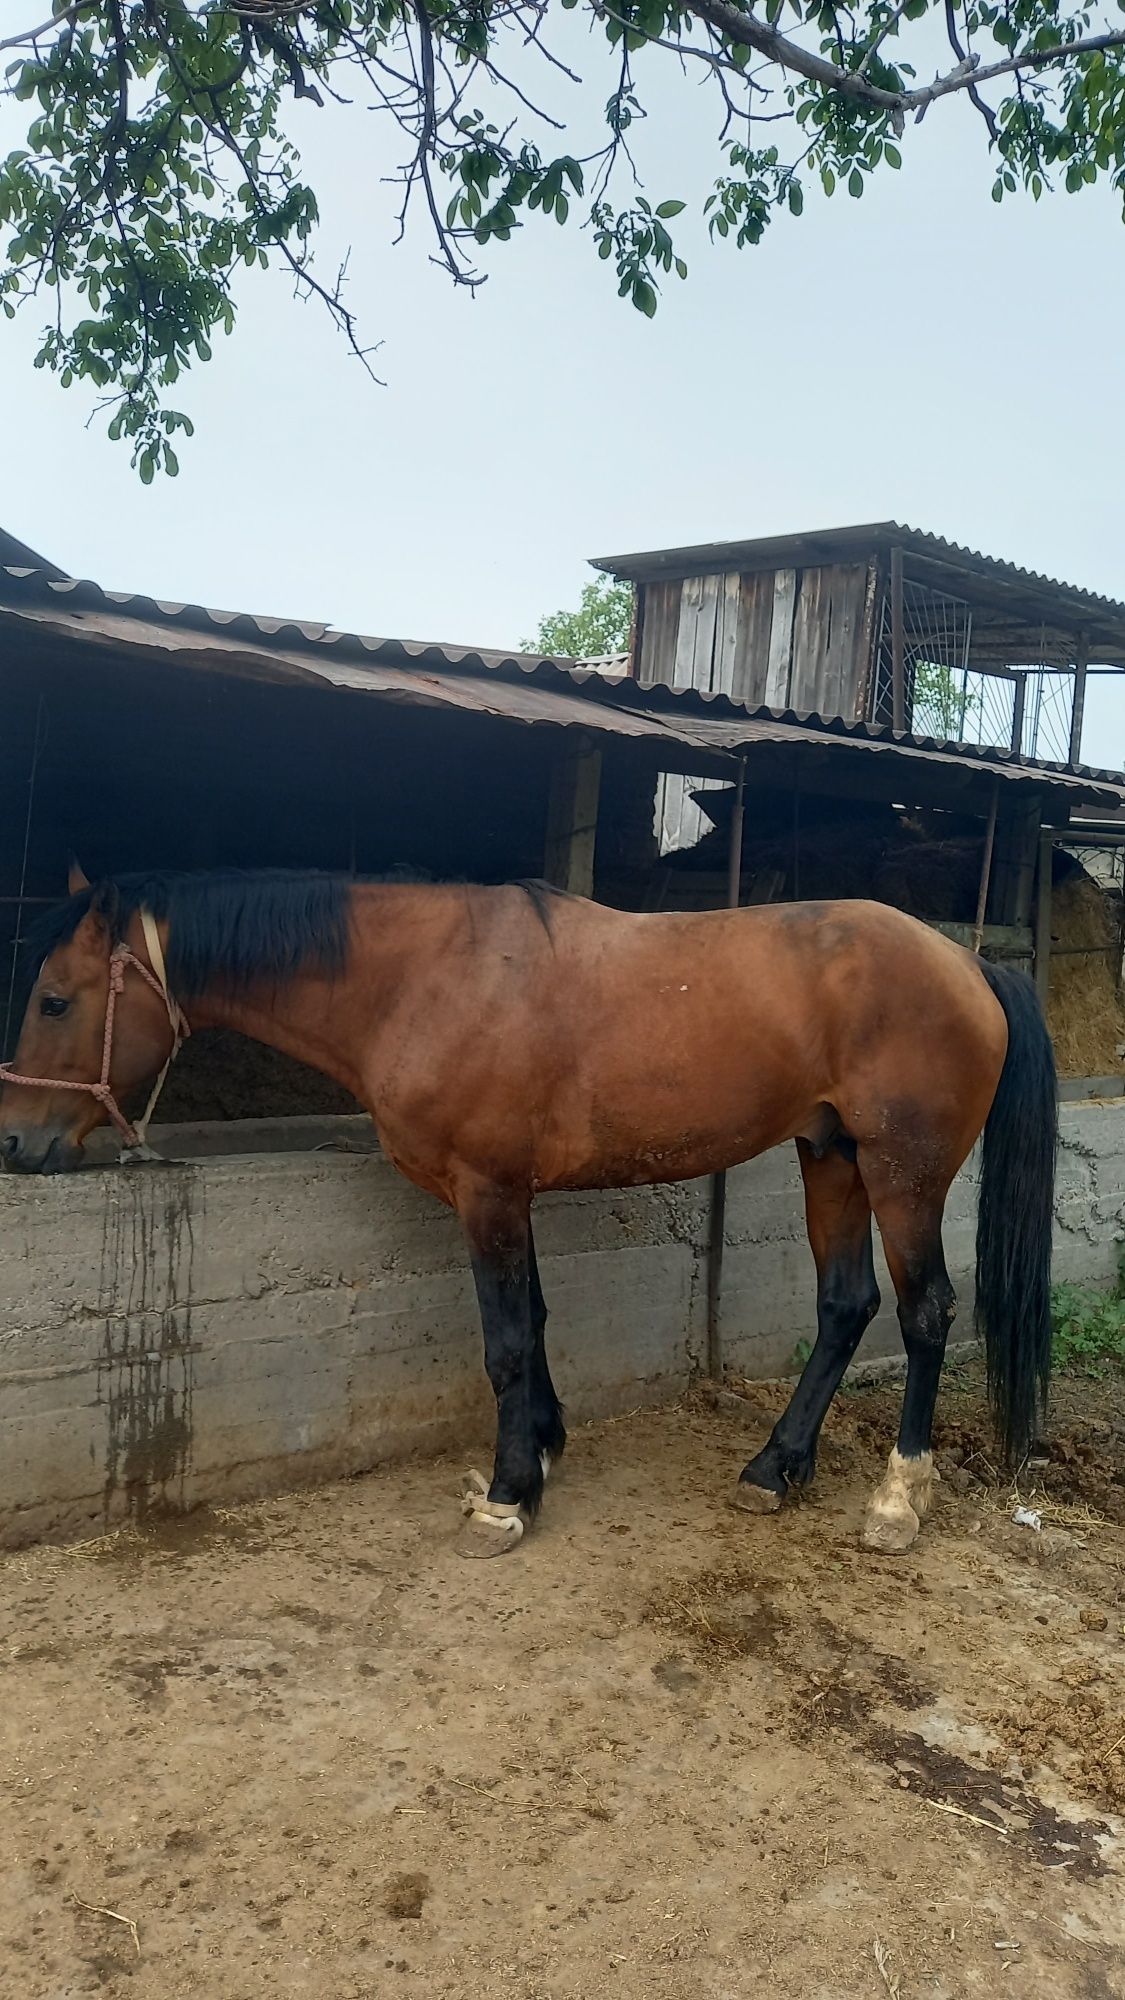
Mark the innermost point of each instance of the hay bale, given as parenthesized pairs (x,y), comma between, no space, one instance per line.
(1084,1007)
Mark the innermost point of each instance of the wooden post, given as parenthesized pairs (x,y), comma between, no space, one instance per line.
(986,868)
(1081,662)
(1019,697)
(898,645)
(1014,859)
(1043,915)
(572,815)
(717,1217)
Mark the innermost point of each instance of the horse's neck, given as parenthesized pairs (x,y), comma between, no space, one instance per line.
(332,1024)
(307,1018)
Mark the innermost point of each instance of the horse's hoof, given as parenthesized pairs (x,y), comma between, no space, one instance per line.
(481,1537)
(755,1499)
(891,1525)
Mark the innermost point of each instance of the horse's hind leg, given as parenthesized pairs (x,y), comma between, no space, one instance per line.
(839,1223)
(910,1225)
(546,1410)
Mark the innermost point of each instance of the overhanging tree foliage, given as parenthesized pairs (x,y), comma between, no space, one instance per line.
(598,629)
(159,159)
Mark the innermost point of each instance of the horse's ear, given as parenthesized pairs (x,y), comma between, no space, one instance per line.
(76,881)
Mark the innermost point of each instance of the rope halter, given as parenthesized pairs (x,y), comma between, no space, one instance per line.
(120,958)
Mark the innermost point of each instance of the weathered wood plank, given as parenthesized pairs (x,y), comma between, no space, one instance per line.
(781,638)
(755,624)
(658,633)
(691,599)
(727,633)
(706,619)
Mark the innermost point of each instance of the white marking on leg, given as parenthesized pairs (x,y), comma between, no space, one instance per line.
(507,1517)
(545,1462)
(900,1502)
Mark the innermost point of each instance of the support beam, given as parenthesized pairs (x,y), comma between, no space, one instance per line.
(1081,662)
(986,868)
(717,1217)
(1015,856)
(572,815)
(898,645)
(1043,915)
(1019,698)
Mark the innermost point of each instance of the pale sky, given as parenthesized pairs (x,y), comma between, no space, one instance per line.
(922,354)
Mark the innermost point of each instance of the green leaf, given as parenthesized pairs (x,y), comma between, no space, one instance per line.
(855,183)
(891,154)
(668,209)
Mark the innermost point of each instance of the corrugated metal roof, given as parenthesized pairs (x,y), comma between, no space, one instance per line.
(13,551)
(827,545)
(518,687)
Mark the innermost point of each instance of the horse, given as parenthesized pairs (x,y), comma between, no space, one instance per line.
(510,1040)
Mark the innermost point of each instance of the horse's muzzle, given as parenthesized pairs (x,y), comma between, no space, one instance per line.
(38,1153)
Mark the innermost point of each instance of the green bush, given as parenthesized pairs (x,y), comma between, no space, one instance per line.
(1088,1328)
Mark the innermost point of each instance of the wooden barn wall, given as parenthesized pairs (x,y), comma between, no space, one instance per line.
(783,638)
(775,638)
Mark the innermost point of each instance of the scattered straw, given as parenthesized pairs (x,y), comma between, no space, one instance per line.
(883,1967)
(101,1910)
(958,1812)
(1059,1513)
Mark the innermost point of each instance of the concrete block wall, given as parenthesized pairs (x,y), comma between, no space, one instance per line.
(233,1325)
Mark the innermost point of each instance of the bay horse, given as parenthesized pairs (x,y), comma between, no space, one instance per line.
(514,1039)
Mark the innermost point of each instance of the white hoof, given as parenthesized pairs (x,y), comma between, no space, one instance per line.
(491,1527)
(755,1499)
(900,1503)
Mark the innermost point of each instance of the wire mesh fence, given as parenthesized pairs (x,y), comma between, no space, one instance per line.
(951,699)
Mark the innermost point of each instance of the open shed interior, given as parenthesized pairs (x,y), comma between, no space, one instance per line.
(156,739)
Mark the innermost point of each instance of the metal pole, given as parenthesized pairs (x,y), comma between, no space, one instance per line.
(716,1229)
(1043,914)
(898,645)
(986,867)
(1081,662)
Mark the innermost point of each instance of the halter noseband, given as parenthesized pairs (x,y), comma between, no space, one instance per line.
(132,1136)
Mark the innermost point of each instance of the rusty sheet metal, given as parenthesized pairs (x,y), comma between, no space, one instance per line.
(522,688)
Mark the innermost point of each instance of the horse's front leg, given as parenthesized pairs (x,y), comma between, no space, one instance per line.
(496,1222)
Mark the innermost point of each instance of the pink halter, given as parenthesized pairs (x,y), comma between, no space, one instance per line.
(121,957)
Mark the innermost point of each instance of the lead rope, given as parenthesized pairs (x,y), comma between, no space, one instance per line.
(136,1149)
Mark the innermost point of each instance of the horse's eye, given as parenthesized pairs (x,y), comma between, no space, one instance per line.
(53,1004)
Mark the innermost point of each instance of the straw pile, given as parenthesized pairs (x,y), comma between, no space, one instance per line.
(1084,1009)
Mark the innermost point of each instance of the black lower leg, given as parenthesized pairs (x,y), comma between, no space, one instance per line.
(847,1301)
(927,1306)
(499,1243)
(546,1410)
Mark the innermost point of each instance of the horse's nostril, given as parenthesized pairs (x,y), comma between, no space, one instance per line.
(10,1146)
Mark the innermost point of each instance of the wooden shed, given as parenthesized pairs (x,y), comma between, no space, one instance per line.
(879,624)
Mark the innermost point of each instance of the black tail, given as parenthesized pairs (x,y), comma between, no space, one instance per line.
(1015,1216)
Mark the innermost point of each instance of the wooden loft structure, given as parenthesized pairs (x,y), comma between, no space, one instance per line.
(879,624)
(913,639)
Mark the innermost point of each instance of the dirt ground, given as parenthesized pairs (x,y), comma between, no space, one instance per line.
(664,1749)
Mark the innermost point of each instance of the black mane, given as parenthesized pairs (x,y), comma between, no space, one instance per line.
(236,926)
(239,926)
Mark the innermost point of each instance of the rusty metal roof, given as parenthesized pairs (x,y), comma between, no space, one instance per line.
(516,687)
(1002,588)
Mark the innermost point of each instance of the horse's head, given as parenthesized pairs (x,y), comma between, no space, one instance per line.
(91,1037)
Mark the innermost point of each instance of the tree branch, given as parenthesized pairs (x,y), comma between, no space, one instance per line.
(961,53)
(752,32)
(28,35)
